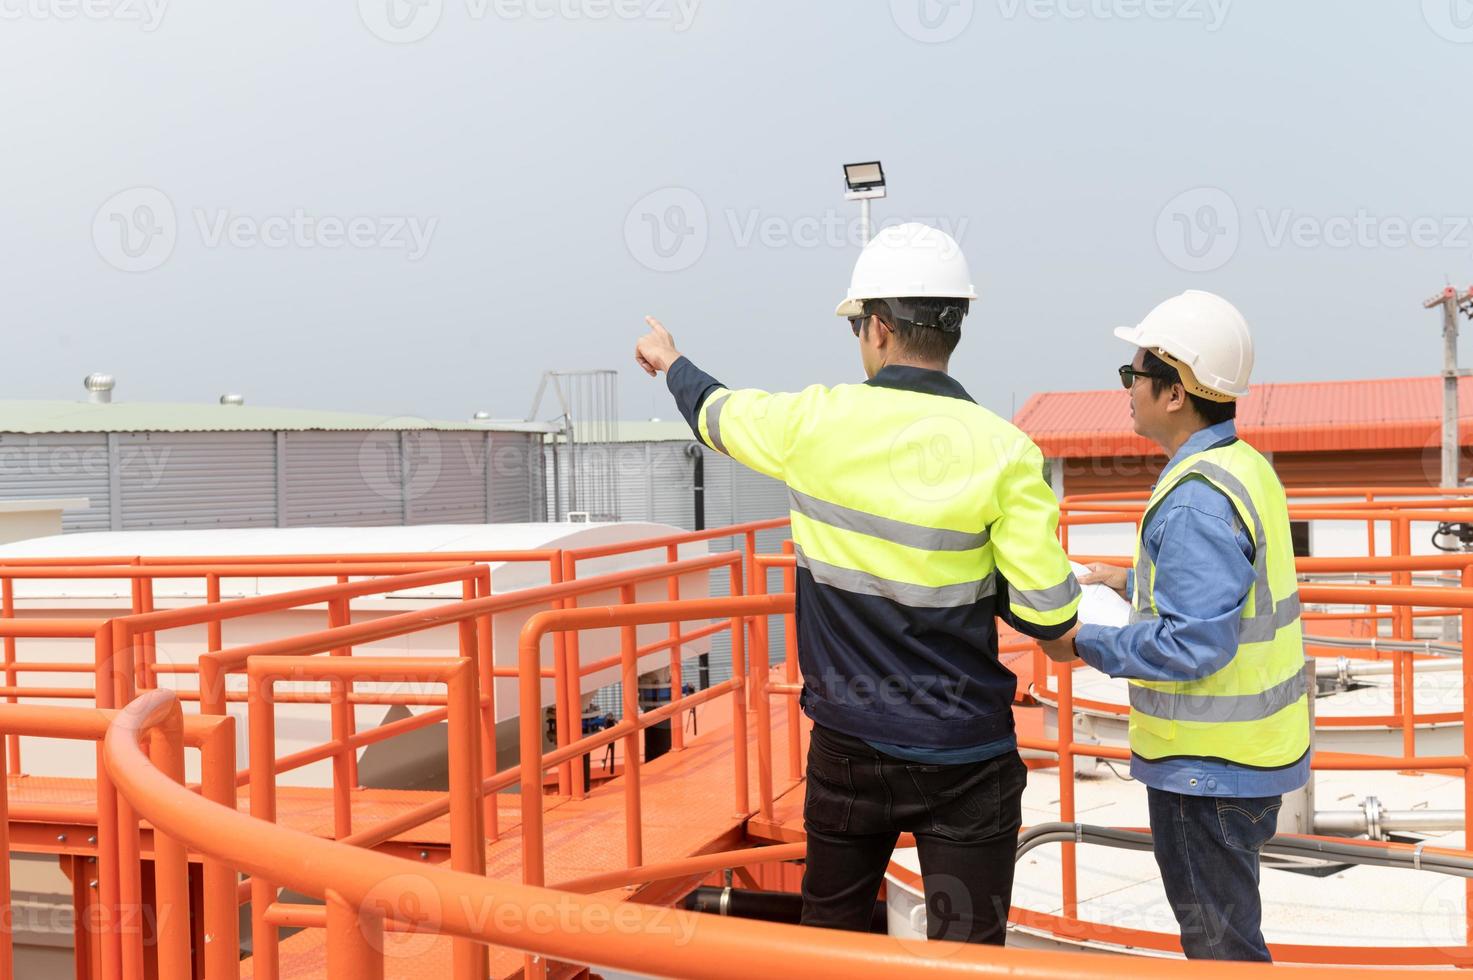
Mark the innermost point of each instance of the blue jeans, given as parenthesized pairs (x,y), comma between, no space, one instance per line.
(1207,848)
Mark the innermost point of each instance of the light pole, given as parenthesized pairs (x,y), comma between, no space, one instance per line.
(863,182)
(1452,303)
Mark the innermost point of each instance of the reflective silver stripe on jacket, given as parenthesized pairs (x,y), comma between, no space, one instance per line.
(1259,629)
(1046,600)
(905,593)
(713,422)
(1218,707)
(885,528)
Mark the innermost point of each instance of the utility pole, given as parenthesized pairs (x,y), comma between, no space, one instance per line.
(1452,304)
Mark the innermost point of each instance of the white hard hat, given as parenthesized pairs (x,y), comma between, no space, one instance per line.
(1204,337)
(908,260)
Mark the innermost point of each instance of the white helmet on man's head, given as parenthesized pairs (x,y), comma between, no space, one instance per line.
(1204,337)
(909,260)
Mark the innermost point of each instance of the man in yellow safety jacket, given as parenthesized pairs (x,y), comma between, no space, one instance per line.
(918,517)
(1219,717)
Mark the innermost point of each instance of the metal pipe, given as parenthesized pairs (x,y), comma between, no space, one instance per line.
(1373,820)
(1343,668)
(1372,853)
(768,906)
(1341,823)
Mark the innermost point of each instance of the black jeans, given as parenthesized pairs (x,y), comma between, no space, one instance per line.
(1207,848)
(965,819)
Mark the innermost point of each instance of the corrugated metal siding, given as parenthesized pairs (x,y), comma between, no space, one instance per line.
(203,479)
(672,475)
(736,495)
(447,477)
(634,466)
(655,483)
(513,475)
(343,479)
(58,465)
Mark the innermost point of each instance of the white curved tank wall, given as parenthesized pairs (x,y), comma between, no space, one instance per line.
(302,726)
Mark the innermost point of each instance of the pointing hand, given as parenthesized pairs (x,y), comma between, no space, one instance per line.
(655,351)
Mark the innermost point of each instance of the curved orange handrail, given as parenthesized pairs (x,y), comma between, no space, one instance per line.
(366,887)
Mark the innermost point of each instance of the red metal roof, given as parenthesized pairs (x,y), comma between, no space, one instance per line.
(1327,416)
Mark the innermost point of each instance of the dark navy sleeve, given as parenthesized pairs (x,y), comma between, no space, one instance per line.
(690,386)
(1004,610)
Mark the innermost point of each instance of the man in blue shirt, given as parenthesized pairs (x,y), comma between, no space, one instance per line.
(1213,675)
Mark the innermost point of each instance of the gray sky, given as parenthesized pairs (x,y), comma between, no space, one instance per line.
(461,194)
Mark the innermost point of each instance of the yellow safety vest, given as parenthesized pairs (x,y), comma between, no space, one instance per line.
(904,495)
(1255,711)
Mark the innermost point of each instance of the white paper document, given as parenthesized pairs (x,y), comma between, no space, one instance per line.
(1100,605)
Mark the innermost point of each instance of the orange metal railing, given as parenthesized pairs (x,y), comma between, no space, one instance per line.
(109,922)
(359,908)
(350,875)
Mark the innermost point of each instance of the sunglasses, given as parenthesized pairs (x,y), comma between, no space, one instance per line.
(1128,375)
(856,323)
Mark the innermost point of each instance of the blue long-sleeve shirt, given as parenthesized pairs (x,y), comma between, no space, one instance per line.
(1204,569)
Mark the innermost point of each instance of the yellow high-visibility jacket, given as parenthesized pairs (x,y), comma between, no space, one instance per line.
(917,517)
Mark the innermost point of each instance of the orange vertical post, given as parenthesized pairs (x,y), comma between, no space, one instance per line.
(7,609)
(7,948)
(86,957)
(1068,863)
(1400,616)
(215,628)
(677,683)
(757,625)
(790,670)
(764,726)
(265,957)
(130,892)
(107,871)
(568,690)
(1467,672)
(467,835)
(341,611)
(221,952)
(344,756)
(486,674)
(1371,547)
(629,675)
(529,696)
(171,863)
(148,644)
(738,702)
(355,941)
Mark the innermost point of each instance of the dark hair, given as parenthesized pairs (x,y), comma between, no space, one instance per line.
(912,333)
(1164,376)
